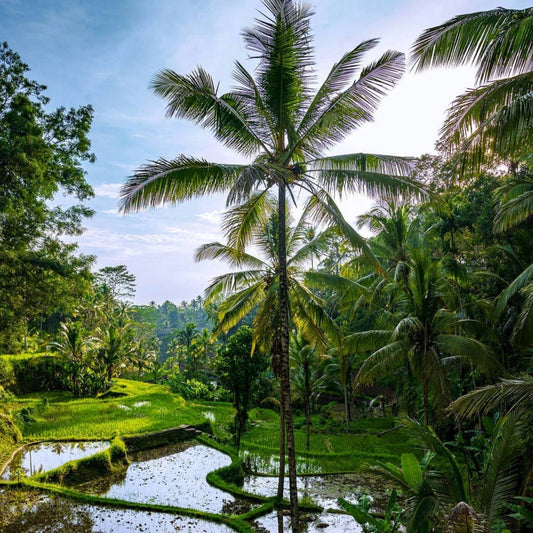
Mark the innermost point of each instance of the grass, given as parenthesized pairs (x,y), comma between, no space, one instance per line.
(129,408)
(132,408)
(332,449)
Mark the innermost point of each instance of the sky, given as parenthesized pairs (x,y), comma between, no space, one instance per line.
(105,53)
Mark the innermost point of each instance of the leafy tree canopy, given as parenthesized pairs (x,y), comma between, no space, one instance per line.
(42,153)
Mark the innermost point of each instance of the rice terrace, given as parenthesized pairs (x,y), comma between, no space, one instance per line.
(288,290)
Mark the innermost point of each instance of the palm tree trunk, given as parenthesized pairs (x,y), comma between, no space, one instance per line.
(307,406)
(425,378)
(285,375)
(308,424)
(426,399)
(346,407)
(281,478)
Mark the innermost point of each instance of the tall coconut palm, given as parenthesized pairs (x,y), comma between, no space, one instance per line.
(255,287)
(495,118)
(284,128)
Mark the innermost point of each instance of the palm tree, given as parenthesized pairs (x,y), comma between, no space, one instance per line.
(421,330)
(342,366)
(255,287)
(74,343)
(308,378)
(435,494)
(495,118)
(284,128)
(116,341)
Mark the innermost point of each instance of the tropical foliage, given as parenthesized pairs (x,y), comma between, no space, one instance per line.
(410,348)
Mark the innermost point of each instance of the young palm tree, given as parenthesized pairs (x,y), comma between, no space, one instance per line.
(495,118)
(255,287)
(435,494)
(308,378)
(284,128)
(75,344)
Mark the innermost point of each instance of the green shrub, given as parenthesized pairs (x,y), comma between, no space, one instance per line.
(7,374)
(27,373)
(233,474)
(191,389)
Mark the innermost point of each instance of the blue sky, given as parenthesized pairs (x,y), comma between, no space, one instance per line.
(105,53)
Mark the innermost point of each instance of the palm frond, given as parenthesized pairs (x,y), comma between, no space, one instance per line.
(516,197)
(523,330)
(309,314)
(238,305)
(469,349)
(511,395)
(247,183)
(226,284)
(235,258)
(366,341)
(242,222)
(266,320)
(375,175)
(494,118)
(340,74)
(497,41)
(456,482)
(341,286)
(353,107)
(250,95)
(175,181)
(194,97)
(281,42)
(383,361)
(323,209)
(500,475)
(515,286)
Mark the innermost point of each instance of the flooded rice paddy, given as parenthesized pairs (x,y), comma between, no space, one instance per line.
(173,475)
(36,458)
(50,514)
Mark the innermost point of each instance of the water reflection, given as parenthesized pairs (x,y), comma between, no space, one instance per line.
(279,521)
(172,475)
(322,490)
(37,458)
(31,512)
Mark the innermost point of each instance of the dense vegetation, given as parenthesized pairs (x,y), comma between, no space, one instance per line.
(408,352)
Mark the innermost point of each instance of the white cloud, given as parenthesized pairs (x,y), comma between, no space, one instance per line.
(213,217)
(108,190)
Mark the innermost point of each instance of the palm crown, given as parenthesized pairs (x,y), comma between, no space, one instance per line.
(276,120)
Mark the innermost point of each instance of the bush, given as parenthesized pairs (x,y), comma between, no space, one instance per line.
(9,436)
(82,381)
(192,389)
(7,373)
(27,373)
